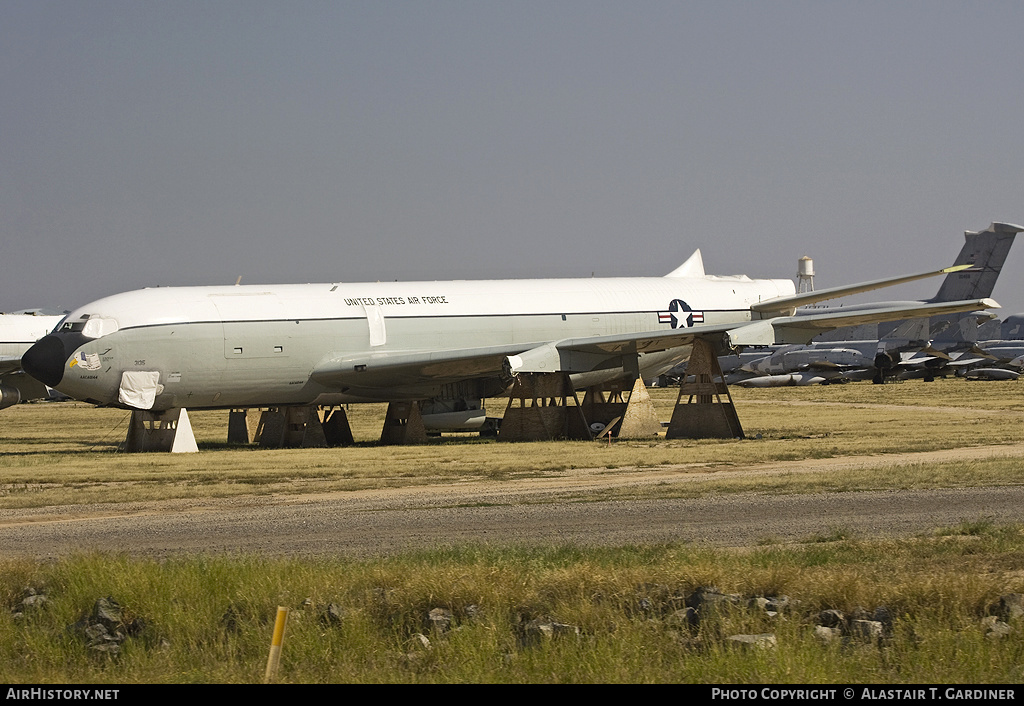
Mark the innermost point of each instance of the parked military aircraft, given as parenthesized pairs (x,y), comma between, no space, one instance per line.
(992,360)
(997,358)
(905,349)
(17,334)
(327,344)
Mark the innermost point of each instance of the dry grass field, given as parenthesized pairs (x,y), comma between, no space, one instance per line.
(208,619)
(66,453)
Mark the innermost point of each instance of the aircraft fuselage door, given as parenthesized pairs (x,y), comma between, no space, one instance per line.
(246,337)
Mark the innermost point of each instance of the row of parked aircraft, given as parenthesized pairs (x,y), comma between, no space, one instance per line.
(970,345)
(327,344)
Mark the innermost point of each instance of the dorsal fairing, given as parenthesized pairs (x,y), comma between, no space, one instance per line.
(693,267)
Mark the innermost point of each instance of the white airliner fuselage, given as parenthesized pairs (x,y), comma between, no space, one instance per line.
(240,346)
(18,332)
(323,344)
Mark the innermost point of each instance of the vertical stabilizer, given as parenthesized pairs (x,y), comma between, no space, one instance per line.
(986,250)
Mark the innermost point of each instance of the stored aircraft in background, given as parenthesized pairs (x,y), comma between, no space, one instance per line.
(915,348)
(18,331)
(999,358)
(992,360)
(327,344)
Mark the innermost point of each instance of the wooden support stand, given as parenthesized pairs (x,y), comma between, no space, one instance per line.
(160,431)
(242,426)
(539,409)
(336,427)
(705,414)
(403,424)
(291,427)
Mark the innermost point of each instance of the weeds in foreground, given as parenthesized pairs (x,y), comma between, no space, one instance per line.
(669,613)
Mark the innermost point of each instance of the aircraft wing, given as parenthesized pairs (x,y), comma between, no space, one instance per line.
(765,332)
(9,364)
(579,355)
(790,303)
(28,387)
(410,368)
(384,369)
(801,329)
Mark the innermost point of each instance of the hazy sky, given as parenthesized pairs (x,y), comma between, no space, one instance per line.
(179,142)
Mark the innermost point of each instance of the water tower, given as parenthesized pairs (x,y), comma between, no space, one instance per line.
(804,275)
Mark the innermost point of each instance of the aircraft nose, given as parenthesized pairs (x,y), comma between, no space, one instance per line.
(45,360)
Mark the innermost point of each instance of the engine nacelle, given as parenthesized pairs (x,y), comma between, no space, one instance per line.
(9,396)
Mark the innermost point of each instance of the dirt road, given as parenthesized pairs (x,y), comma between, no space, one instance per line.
(520,512)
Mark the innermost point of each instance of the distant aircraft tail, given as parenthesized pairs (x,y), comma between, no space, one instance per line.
(1012,328)
(986,251)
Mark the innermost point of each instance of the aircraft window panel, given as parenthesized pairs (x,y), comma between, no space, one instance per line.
(97,327)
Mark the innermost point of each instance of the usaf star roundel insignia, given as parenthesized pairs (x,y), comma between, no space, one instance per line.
(680,315)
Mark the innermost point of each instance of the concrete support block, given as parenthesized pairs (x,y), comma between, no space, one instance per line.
(626,405)
(270,431)
(640,421)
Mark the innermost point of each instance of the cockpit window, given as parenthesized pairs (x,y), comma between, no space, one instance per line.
(98,326)
(89,325)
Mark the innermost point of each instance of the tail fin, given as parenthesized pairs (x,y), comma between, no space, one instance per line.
(1013,327)
(986,250)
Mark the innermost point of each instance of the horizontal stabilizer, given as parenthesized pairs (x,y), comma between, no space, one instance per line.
(935,353)
(964,362)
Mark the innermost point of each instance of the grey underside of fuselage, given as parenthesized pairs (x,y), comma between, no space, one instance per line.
(206,365)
